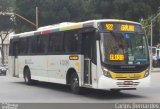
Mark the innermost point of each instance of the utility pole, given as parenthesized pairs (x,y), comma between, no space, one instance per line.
(25,19)
(37,20)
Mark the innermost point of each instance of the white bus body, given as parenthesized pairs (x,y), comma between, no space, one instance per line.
(89,70)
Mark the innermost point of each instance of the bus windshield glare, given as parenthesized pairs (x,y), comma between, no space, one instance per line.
(123,48)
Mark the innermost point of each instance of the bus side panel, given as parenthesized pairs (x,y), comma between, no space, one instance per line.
(37,66)
(21,65)
(56,74)
(14,66)
(58,65)
(78,65)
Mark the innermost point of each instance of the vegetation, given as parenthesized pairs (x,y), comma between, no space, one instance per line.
(56,11)
(6,23)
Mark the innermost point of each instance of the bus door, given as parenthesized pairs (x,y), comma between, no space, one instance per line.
(87,51)
(15,58)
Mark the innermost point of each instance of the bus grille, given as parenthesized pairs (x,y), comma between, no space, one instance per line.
(121,84)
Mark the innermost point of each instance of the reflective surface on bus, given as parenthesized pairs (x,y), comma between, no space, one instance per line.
(124,48)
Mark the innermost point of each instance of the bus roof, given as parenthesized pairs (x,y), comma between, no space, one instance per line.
(67,26)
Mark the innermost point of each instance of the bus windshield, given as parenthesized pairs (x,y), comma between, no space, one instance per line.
(122,48)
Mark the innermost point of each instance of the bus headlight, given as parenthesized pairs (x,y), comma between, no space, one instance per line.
(146,73)
(106,72)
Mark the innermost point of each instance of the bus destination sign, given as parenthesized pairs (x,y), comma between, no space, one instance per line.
(127,27)
(120,27)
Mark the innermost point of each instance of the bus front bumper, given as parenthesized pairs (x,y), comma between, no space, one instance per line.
(106,83)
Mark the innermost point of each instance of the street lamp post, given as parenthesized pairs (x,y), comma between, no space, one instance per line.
(4,13)
(152,21)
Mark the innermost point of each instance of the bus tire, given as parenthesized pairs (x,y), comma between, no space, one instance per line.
(74,83)
(27,77)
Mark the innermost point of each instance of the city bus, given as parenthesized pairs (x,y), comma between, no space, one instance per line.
(105,54)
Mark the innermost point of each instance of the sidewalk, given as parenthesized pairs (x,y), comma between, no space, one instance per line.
(157,70)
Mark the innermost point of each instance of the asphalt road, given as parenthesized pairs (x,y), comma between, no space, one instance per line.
(14,90)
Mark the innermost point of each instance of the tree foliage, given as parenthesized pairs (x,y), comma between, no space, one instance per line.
(6,22)
(56,11)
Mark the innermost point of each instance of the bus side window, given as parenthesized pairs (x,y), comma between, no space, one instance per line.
(55,43)
(51,48)
(32,48)
(42,42)
(23,43)
(72,42)
(15,48)
(89,46)
(11,48)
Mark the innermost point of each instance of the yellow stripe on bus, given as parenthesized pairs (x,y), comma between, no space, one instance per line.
(70,27)
(127,75)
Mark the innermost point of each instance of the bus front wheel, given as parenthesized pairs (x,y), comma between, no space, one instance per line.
(27,77)
(74,83)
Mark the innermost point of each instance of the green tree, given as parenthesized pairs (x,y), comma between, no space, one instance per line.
(56,11)
(6,23)
(25,8)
